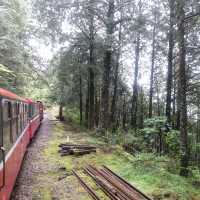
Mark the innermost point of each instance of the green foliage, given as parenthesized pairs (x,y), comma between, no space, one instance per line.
(72,114)
(155,127)
(148,132)
(5,70)
(173,142)
(6,76)
(14,54)
(156,122)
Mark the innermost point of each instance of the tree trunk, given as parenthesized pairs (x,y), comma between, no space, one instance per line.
(152,72)
(135,85)
(61,118)
(91,65)
(124,113)
(91,99)
(107,68)
(87,104)
(158,100)
(105,91)
(198,139)
(115,96)
(182,87)
(174,102)
(170,64)
(80,97)
(141,111)
(97,107)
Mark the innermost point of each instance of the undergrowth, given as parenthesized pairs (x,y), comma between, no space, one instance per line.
(156,176)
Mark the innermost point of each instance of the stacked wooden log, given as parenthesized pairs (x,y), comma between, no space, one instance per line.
(76,149)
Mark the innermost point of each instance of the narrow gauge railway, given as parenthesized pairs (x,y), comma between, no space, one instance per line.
(19,120)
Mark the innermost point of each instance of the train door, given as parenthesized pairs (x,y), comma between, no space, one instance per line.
(2,150)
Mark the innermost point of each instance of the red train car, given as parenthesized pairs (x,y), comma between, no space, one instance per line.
(19,121)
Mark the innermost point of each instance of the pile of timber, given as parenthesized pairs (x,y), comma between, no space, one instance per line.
(76,149)
(115,187)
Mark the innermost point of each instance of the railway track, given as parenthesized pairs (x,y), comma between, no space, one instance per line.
(115,187)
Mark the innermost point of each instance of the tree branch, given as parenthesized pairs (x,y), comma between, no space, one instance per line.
(192,16)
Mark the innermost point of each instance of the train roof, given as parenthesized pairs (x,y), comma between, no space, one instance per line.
(8,94)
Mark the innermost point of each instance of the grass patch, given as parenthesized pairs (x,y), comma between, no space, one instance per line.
(43,193)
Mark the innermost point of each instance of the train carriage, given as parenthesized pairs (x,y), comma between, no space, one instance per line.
(19,120)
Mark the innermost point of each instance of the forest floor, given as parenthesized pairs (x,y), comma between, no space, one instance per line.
(45,175)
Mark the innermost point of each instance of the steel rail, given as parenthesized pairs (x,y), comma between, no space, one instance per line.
(86,187)
(126,193)
(119,186)
(116,192)
(126,183)
(122,187)
(102,185)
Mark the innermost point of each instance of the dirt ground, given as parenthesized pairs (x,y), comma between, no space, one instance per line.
(41,178)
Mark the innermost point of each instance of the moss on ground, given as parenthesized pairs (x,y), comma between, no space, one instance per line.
(42,193)
(146,171)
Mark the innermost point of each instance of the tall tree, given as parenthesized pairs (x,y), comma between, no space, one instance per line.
(152,68)
(91,65)
(80,95)
(136,69)
(116,74)
(107,65)
(182,88)
(170,62)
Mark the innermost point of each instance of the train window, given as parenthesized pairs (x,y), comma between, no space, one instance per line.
(7,113)
(29,111)
(14,110)
(9,110)
(33,112)
(14,121)
(7,134)
(27,118)
(7,140)
(18,118)
(24,120)
(26,107)
(24,114)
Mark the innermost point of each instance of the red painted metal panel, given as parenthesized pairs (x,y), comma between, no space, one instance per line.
(15,156)
(12,166)
(34,124)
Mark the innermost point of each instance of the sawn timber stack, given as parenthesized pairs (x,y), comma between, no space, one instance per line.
(76,149)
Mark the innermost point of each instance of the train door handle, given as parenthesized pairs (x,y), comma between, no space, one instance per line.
(4,166)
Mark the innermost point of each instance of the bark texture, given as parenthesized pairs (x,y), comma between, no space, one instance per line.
(182,87)
(135,85)
(170,64)
(152,72)
(107,67)
(91,65)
